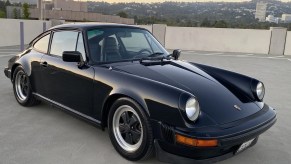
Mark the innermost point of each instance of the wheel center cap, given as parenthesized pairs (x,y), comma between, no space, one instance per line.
(127,128)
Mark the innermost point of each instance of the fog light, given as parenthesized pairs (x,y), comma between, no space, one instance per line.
(195,142)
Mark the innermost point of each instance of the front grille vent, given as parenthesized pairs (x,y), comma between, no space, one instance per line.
(168,133)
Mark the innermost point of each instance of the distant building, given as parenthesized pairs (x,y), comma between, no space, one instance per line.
(70,5)
(66,10)
(261,11)
(272,19)
(78,16)
(286,18)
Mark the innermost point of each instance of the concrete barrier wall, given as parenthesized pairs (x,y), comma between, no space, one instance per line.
(185,38)
(148,27)
(288,44)
(10,30)
(278,40)
(159,31)
(215,39)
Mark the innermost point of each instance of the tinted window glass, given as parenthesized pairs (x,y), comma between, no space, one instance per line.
(42,44)
(63,41)
(94,41)
(120,44)
(94,33)
(136,42)
(152,43)
(80,46)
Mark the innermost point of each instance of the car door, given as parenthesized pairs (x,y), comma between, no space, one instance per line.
(66,83)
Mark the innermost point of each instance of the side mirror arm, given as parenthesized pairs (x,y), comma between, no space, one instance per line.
(82,63)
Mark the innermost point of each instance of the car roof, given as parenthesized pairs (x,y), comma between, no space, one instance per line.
(84,26)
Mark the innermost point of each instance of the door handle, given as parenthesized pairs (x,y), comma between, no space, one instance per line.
(44,64)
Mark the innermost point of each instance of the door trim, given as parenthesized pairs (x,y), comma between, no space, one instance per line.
(79,114)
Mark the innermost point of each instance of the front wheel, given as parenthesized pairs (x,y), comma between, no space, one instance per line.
(129,130)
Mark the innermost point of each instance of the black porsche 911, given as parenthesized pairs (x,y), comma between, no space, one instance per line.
(120,77)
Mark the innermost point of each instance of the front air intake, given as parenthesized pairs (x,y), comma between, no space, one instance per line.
(168,133)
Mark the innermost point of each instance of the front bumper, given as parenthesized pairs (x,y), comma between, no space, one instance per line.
(172,158)
(7,73)
(229,140)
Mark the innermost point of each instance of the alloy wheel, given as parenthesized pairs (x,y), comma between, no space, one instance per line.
(127,128)
(21,85)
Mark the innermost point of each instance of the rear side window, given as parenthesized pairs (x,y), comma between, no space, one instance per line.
(42,44)
(63,41)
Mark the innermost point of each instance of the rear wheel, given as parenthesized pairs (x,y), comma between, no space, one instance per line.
(22,88)
(129,130)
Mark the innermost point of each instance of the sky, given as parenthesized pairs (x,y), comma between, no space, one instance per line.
(148,1)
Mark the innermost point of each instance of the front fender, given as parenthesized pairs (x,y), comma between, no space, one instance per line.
(159,100)
(131,94)
(240,85)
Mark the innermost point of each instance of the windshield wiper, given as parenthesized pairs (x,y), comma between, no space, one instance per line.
(156,54)
(158,58)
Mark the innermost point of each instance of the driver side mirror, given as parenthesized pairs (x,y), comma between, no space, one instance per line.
(72,56)
(176,54)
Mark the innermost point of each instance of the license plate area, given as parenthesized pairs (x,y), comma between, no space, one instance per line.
(244,146)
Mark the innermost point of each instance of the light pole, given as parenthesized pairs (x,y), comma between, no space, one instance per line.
(40,9)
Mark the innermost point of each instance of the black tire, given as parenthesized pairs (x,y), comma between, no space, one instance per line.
(146,147)
(29,99)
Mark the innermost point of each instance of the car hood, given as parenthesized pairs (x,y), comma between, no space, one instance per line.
(214,98)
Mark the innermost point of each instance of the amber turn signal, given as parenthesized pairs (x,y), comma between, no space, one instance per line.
(195,142)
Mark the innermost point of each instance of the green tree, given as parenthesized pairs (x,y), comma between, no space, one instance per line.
(220,24)
(205,23)
(2,5)
(7,3)
(135,19)
(26,13)
(122,14)
(15,13)
(2,14)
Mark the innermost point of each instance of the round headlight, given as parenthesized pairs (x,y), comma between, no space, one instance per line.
(260,90)
(192,109)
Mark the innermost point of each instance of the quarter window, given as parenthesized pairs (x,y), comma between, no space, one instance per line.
(63,41)
(42,44)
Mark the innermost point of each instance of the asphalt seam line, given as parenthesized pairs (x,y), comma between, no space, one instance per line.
(7,55)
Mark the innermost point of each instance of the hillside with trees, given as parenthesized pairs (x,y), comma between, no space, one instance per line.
(193,14)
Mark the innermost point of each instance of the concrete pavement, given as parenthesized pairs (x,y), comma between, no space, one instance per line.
(46,135)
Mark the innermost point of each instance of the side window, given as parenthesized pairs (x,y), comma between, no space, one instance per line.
(63,41)
(80,46)
(42,44)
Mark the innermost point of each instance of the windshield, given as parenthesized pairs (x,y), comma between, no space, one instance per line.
(121,44)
